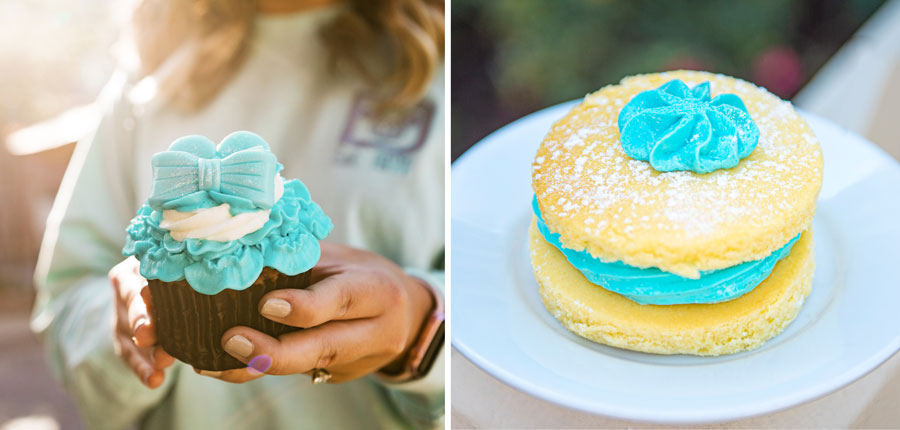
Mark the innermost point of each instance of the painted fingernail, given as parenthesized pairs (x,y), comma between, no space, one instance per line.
(211,373)
(259,364)
(239,345)
(276,308)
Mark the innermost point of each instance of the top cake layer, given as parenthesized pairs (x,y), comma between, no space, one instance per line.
(621,209)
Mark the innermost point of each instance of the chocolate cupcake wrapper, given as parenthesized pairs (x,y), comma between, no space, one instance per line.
(190,325)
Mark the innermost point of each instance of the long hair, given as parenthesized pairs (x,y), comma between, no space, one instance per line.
(195,47)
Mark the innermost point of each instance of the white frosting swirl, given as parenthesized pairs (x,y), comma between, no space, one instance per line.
(217,223)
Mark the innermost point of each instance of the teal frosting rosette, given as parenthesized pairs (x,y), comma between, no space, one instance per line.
(194,174)
(676,127)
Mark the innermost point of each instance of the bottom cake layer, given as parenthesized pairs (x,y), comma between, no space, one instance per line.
(741,324)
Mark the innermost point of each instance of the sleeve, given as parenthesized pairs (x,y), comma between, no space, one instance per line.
(422,401)
(73,312)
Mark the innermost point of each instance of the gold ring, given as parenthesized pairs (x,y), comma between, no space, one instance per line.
(320,376)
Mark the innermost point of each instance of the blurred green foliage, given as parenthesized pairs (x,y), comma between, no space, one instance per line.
(535,53)
(575,46)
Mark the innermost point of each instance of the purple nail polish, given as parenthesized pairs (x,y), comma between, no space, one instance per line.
(259,364)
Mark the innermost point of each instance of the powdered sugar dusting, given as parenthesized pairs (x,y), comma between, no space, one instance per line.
(581,171)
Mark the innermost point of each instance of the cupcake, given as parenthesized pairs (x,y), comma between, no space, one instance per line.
(672,214)
(220,229)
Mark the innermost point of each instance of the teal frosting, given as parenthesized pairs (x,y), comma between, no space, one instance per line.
(288,242)
(675,127)
(654,287)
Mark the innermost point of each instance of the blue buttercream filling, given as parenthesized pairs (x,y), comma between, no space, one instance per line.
(288,242)
(652,286)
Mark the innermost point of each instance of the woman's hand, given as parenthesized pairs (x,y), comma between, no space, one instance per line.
(134,336)
(361,314)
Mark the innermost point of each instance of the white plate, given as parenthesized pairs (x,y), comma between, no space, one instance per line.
(849,325)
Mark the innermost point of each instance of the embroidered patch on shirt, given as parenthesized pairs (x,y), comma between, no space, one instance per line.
(387,142)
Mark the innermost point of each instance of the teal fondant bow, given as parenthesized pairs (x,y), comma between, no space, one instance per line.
(241,169)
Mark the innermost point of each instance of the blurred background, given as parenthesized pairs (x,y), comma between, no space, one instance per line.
(513,57)
(56,55)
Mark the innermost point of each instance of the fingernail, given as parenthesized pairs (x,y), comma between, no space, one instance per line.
(211,373)
(277,308)
(141,321)
(145,376)
(239,345)
(259,364)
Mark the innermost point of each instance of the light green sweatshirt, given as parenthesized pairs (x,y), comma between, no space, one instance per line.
(381,184)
